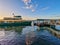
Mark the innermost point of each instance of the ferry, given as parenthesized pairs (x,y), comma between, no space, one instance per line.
(14,21)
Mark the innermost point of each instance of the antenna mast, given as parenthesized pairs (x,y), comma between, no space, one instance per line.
(13,14)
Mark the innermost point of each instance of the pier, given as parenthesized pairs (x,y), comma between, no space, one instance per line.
(53,32)
(46,22)
(48,25)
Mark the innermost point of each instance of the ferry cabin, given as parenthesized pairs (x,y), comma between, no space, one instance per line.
(11,19)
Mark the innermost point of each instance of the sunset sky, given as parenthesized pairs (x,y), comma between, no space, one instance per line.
(30,9)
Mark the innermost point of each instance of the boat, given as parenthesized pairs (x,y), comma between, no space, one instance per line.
(14,21)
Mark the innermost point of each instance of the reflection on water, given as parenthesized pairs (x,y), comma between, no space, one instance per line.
(2,33)
(57,27)
(26,36)
(30,37)
(29,29)
(6,37)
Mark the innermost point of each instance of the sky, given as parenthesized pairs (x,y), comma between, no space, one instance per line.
(30,9)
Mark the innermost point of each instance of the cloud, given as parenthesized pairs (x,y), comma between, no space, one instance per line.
(33,10)
(29,5)
(45,8)
(26,1)
(32,6)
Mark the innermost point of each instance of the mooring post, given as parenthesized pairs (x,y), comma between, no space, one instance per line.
(32,24)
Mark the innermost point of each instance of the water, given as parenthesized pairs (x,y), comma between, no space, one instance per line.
(57,27)
(27,36)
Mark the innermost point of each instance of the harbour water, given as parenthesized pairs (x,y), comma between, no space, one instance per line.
(27,36)
(57,27)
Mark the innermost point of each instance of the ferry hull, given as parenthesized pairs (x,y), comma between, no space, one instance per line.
(15,24)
